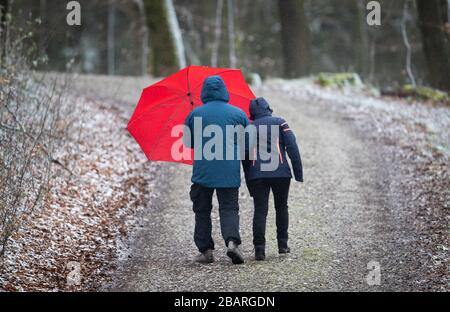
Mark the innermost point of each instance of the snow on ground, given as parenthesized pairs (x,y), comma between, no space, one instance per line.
(417,135)
(428,125)
(86,214)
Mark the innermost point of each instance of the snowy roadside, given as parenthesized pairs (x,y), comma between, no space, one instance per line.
(73,242)
(416,137)
(409,122)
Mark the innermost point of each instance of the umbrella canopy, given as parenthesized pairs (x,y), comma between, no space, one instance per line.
(167,103)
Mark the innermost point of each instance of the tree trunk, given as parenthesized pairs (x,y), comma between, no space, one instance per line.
(217,34)
(433,22)
(362,42)
(43,28)
(144,36)
(3,29)
(408,64)
(175,32)
(3,12)
(163,52)
(231,35)
(295,38)
(110,48)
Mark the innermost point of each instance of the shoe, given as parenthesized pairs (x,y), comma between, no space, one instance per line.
(260,253)
(284,250)
(235,253)
(205,257)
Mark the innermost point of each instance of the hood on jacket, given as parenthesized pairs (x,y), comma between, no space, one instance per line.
(214,89)
(259,108)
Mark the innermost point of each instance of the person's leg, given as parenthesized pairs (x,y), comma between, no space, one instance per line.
(229,222)
(261,207)
(280,188)
(202,205)
(229,214)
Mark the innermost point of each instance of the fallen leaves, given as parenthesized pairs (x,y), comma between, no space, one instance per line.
(85,215)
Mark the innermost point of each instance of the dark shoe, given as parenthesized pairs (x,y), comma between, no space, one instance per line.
(260,253)
(235,253)
(284,250)
(205,257)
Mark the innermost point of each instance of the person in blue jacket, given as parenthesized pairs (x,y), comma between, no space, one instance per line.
(218,174)
(260,180)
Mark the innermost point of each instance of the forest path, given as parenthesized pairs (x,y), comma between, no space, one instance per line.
(339,221)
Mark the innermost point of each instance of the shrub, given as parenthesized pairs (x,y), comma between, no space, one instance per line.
(31,128)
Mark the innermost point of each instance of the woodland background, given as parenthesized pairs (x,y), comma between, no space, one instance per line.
(284,38)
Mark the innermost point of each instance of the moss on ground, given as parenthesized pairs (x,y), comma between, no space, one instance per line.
(338,79)
(427,94)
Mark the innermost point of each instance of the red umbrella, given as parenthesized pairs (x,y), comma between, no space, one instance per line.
(167,103)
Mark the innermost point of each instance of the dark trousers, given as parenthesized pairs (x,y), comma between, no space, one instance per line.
(228,211)
(260,192)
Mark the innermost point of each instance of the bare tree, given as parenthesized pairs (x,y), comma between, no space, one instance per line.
(433,21)
(164,54)
(43,10)
(362,42)
(231,35)
(3,11)
(3,28)
(111,36)
(143,35)
(295,38)
(217,34)
(175,33)
(407,43)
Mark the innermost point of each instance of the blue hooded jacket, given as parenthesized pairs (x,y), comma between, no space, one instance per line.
(215,111)
(261,115)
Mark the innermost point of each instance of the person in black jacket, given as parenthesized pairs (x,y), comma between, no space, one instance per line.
(275,138)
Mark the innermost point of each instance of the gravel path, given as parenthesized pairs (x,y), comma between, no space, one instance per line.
(377,189)
(348,212)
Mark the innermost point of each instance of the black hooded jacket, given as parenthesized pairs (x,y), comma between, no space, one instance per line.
(261,115)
